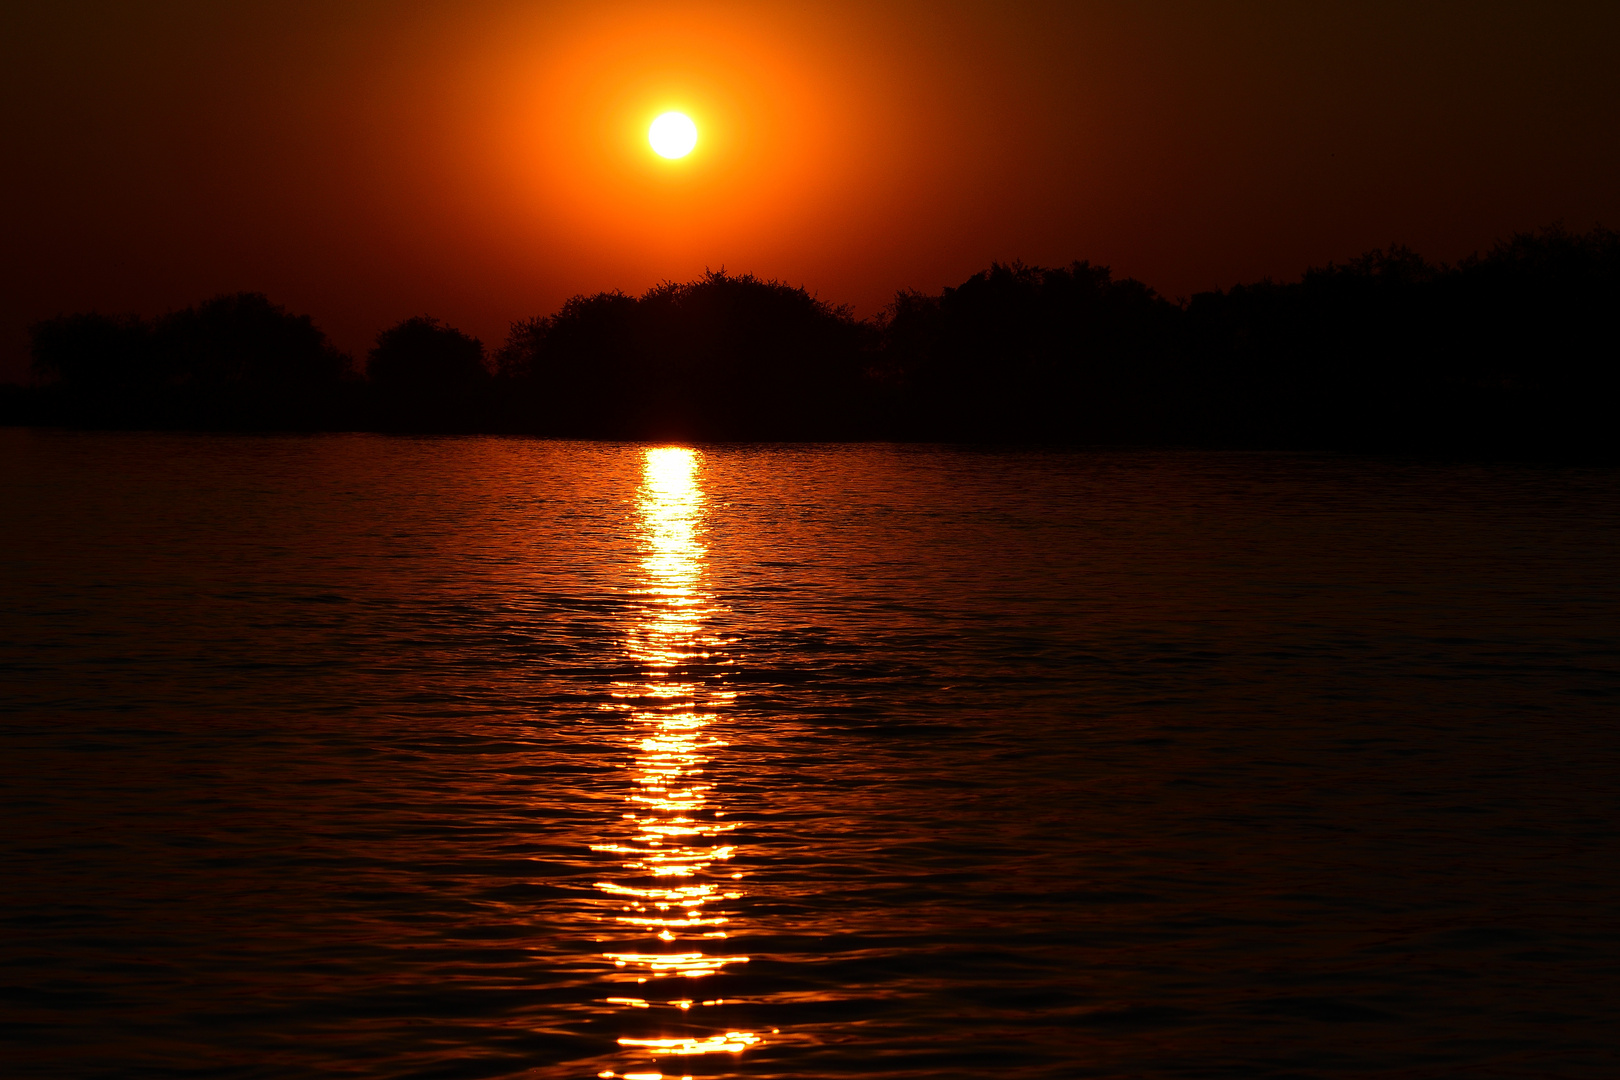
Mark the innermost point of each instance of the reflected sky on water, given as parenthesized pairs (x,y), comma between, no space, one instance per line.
(432,758)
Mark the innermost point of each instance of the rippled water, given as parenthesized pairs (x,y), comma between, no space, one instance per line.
(357,756)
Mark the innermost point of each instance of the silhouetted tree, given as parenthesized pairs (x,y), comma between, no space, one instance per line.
(726,356)
(1534,333)
(1021,352)
(239,361)
(236,361)
(1512,351)
(93,350)
(427,376)
(98,369)
(574,372)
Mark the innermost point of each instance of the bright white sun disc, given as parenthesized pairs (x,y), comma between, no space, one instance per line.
(673,135)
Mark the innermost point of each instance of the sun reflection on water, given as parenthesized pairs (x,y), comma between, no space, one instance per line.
(668,903)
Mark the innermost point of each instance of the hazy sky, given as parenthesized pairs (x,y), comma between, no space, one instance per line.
(481,161)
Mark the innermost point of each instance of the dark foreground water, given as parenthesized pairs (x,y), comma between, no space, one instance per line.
(356,756)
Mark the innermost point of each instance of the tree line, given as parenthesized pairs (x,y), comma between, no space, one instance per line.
(1515,351)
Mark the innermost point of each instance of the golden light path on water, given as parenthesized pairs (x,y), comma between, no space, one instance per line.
(675,882)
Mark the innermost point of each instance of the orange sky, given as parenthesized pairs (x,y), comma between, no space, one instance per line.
(480,161)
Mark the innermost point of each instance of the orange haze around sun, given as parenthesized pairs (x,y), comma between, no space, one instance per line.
(787,136)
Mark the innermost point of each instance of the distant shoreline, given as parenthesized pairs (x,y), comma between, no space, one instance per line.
(1513,354)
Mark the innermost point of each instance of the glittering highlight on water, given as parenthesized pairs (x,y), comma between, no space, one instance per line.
(674,818)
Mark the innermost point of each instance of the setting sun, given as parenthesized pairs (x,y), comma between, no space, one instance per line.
(673,135)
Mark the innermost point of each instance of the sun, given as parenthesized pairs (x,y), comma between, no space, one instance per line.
(673,135)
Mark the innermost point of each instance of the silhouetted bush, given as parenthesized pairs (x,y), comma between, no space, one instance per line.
(426,376)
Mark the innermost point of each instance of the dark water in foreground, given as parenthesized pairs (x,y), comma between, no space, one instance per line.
(356,756)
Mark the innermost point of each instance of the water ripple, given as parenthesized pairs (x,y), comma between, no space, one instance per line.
(356,756)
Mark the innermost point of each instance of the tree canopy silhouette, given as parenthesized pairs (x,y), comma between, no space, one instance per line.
(1513,351)
(235,361)
(429,376)
(1019,352)
(725,356)
(1517,350)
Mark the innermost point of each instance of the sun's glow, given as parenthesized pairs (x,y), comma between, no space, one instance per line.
(786,119)
(672,135)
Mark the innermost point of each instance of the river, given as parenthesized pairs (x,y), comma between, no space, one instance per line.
(365,756)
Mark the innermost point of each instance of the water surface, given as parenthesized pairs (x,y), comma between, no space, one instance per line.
(359,756)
